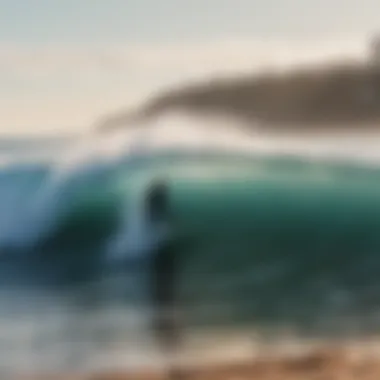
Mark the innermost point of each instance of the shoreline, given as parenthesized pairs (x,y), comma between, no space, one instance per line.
(321,364)
(340,360)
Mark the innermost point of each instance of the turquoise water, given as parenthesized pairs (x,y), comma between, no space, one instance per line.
(264,243)
(285,248)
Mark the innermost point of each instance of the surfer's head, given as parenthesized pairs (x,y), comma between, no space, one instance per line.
(157,201)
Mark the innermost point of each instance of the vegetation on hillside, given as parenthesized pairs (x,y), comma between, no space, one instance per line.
(344,94)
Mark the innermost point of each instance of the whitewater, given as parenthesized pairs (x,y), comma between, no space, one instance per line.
(74,298)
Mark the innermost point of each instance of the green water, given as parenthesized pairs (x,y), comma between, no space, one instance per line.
(295,248)
(264,242)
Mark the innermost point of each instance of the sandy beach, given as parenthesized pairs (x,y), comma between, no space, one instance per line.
(324,364)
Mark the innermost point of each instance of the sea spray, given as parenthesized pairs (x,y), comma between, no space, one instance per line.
(138,235)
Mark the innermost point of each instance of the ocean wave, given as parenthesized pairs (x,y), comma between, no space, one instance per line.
(281,236)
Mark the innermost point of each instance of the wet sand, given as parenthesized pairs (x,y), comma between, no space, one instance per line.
(319,365)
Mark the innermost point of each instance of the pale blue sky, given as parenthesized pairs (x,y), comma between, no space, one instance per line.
(64,62)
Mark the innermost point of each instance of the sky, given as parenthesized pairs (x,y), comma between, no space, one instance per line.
(65,63)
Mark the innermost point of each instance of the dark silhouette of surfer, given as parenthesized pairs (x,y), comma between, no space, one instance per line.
(163,267)
(164,276)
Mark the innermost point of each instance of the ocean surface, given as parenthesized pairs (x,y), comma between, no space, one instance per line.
(281,244)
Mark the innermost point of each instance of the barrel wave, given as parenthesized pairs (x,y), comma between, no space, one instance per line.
(266,242)
(269,240)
